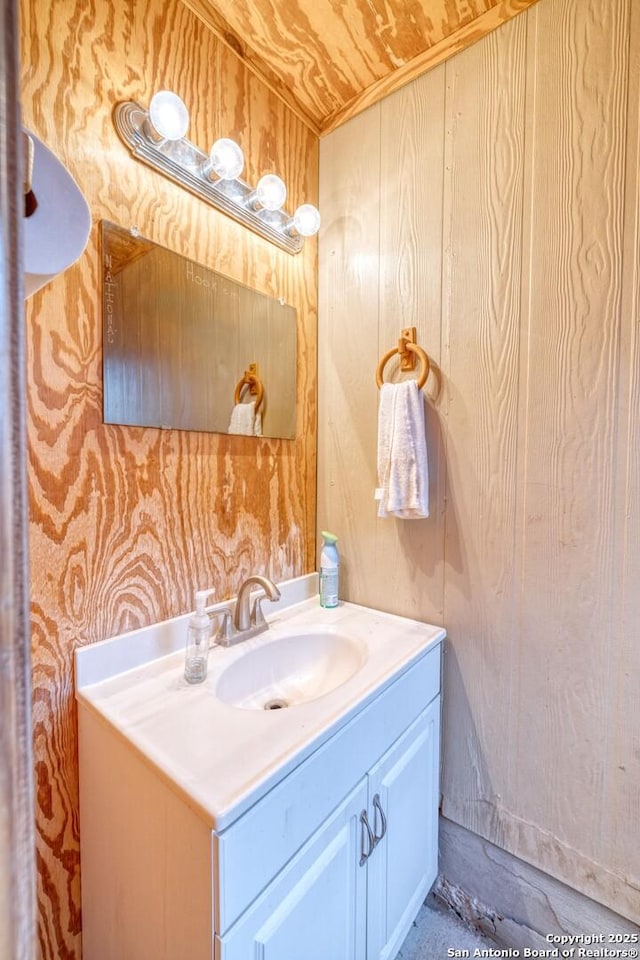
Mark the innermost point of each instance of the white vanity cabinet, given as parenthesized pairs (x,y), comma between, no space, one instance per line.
(237,846)
(353,890)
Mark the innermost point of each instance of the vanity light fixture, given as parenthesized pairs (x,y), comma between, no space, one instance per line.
(271,193)
(157,136)
(168,116)
(305,221)
(226,160)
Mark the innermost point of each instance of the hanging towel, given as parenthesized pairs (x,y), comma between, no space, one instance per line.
(403,470)
(245,420)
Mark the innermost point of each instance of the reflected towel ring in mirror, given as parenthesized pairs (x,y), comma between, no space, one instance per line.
(408,350)
(251,380)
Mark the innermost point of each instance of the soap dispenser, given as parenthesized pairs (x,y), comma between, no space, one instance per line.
(329,570)
(198,641)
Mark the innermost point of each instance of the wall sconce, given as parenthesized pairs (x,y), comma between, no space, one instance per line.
(157,137)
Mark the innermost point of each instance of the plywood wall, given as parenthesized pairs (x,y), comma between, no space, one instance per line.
(494,204)
(126,523)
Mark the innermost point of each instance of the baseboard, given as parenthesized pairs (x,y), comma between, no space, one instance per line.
(517,905)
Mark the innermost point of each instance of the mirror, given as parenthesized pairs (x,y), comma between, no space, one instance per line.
(189,349)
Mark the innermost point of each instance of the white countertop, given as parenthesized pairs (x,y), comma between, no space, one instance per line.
(221,758)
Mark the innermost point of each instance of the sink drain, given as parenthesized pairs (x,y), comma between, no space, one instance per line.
(275,705)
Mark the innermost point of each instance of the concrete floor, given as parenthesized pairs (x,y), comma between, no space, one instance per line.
(437,929)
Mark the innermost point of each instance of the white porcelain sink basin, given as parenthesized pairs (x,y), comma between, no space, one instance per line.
(287,670)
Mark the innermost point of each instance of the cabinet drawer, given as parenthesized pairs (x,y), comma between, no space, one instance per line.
(256,847)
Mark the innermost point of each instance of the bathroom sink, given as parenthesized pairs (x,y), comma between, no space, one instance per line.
(290,669)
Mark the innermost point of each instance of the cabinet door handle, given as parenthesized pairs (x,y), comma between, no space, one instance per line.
(364,820)
(377,808)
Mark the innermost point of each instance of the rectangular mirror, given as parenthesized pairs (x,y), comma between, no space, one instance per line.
(189,349)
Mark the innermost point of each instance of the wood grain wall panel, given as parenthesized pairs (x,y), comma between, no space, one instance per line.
(368,295)
(481,329)
(348,347)
(127,522)
(622,740)
(539,412)
(407,574)
(578,98)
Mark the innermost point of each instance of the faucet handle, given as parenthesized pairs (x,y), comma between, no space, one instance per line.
(224,633)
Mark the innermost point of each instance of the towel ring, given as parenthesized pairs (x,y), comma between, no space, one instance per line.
(413,348)
(255,388)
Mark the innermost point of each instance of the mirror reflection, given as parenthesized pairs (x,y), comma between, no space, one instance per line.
(189,349)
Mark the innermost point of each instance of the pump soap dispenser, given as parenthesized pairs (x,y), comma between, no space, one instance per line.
(198,641)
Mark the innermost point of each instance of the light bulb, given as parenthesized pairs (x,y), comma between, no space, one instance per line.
(227,159)
(168,115)
(271,192)
(306,220)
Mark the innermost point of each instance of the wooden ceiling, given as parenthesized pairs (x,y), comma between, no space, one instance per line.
(330,59)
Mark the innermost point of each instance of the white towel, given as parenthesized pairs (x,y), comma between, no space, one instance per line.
(403,470)
(245,420)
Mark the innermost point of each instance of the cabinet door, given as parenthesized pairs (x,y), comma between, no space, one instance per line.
(316,906)
(404,863)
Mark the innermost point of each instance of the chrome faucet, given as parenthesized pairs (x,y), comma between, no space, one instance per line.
(248,621)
